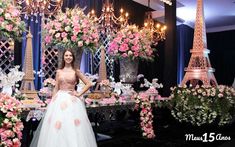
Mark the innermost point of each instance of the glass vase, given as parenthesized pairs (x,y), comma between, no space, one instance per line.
(128,70)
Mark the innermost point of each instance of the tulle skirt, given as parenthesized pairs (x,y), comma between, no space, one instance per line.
(65,124)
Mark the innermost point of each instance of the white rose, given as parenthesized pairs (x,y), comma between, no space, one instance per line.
(67,28)
(80,43)
(130,53)
(57,35)
(7,16)
(87,42)
(65,40)
(1,11)
(51,31)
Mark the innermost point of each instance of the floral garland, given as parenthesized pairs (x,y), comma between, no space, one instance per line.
(11,24)
(10,123)
(203,105)
(131,43)
(72,29)
(144,102)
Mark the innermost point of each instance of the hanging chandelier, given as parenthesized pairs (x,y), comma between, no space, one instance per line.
(156,29)
(107,21)
(34,9)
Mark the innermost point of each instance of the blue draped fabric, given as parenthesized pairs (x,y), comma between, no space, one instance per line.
(184,44)
(36,43)
(86,62)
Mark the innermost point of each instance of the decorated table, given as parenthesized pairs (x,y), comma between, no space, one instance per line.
(36,113)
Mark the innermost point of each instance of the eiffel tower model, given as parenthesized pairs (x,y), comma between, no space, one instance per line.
(102,74)
(27,85)
(199,68)
(102,67)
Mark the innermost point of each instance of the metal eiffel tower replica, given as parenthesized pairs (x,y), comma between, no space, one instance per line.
(102,74)
(199,68)
(27,85)
(102,68)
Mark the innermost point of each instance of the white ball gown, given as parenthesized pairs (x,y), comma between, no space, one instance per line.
(65,123)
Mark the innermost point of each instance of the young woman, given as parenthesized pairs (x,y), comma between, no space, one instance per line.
(66,123)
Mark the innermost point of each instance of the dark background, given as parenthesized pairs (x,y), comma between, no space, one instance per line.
(172,55)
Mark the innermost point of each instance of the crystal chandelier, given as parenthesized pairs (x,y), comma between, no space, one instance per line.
(34,9)
(156,29)
(107,21)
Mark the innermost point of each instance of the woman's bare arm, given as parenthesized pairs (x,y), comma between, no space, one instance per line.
(56,88)
(86,81)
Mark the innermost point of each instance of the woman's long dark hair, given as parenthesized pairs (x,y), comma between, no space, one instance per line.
(63,62)
(72,63)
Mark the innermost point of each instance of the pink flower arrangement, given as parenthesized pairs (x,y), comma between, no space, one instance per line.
(88,101)
(49,82)
(11,24)
(10,123)
(45,92)
(109,101)
(113,100)
(132,43)
(72,29)
(143,101)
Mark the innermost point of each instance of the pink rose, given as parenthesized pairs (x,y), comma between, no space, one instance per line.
(118,39)
(74,38)
(75,19)
(48,39)
(131,36)
(9,143)
(123,47)
(135,48)
(136,54)
(9,27)
(87,41)
(64,34)
(76,29)
(126,40)
(135,41)
(112,46)
(124,55)
(57,25)
(9,114)
(15,13)
(1,19)
(85,30)
(95,35)
(3,136)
